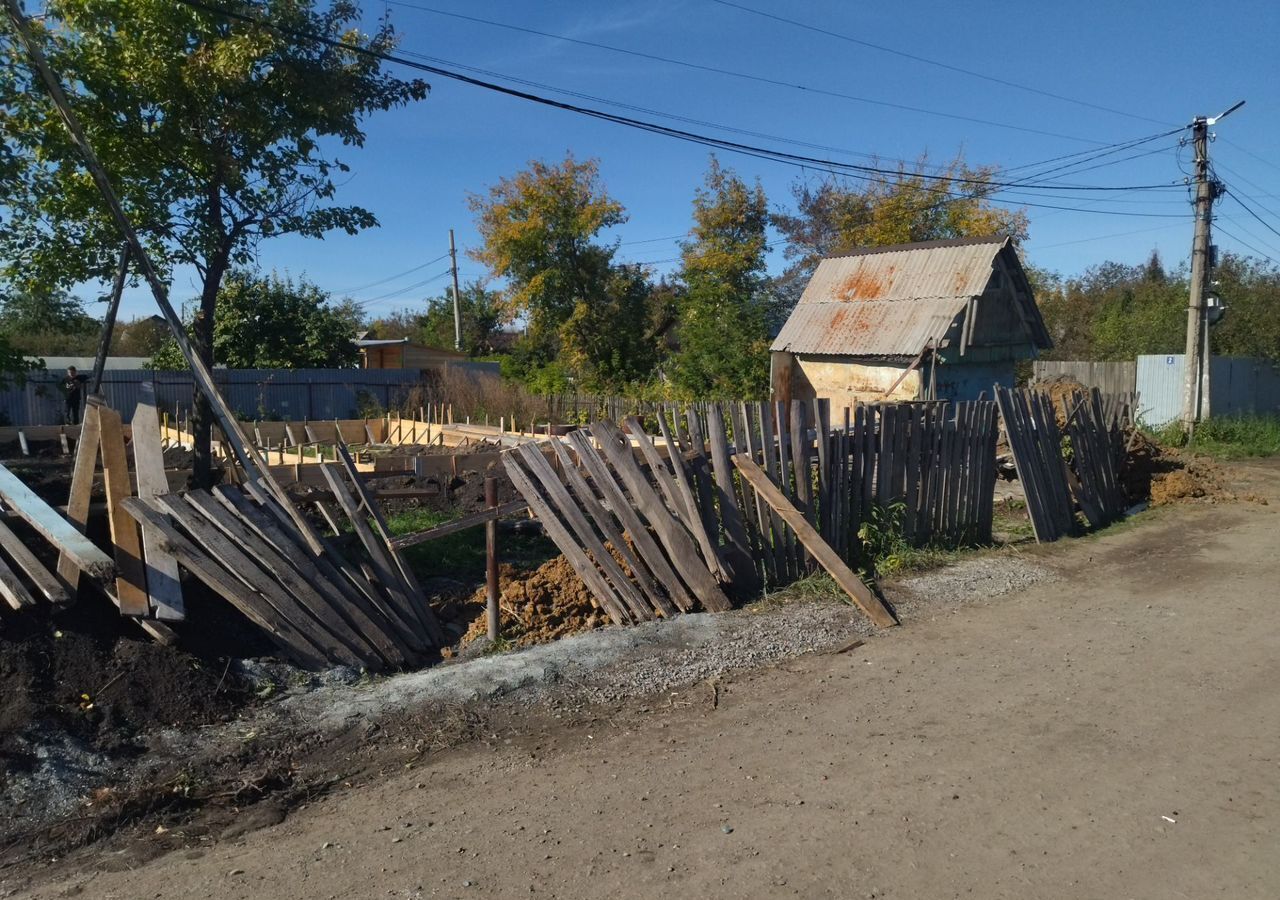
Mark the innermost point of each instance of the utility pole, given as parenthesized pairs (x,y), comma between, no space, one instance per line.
(457,309)
(1195,383)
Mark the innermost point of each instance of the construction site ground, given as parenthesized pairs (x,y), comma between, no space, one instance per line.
(1097,718)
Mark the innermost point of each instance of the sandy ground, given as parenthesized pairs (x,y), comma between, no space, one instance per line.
(1113,733)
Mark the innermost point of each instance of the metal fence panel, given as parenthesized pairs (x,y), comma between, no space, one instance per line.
(1238,385)
(253,393)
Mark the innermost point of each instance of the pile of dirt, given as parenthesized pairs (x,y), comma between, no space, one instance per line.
(1061,390)
(539,606)
(105,691)
(1194,479)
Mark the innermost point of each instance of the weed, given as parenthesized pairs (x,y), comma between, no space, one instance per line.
(883,542)
(1227,437)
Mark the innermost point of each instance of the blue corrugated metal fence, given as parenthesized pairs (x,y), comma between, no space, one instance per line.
(253,393)
(1238,385)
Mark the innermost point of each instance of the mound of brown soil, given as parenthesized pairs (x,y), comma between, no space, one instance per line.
(1197,479)
(539,606)
(1061,391)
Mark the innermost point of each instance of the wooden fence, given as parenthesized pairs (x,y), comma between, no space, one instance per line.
(666,493)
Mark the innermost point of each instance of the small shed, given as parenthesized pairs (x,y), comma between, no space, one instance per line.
(941,320)
(402,353)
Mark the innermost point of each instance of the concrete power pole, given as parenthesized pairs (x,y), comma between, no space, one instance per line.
(1195,386)
(457,308)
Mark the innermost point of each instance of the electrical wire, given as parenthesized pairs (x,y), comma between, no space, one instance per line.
(933,62)
(1121,145)
(1246,244)
(1103,237)
(404,290)
(733,73)
(651,127)
(381,281)
(1249,209)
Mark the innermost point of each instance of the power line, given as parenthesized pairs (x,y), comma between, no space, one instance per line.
(732,73)
(1102,237)
(381,281)
(404,290)
(1246,244)
(1249,209)
(933,62)
(1258,157)
(798,160)
(1121,145)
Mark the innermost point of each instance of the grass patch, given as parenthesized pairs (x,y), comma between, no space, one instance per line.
(463,553)
(1225,437)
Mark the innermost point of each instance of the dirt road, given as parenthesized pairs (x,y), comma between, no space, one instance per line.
(1113,734)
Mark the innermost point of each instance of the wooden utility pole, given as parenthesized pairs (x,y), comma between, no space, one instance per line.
(1195,385)
(457,309)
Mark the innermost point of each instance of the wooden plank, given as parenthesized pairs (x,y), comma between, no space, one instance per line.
(471,520)
(45,583)
(536,465)
(590,503)
(800,450)
(81,488)
(700,466)
(820,415)
(559,534)
(738,551)
(12,589)
(735,417)
(657,467)
(646,546)
(861,595)
(693,517)
(417,597)
(243,568)
(131,578)
(783,559)
(675,538)
(336,580)
(54,528)
(384,568)
(256,608)
(749,416)
(362,637)
(164,589)
(364,610)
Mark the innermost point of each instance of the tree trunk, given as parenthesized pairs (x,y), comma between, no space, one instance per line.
(202,341)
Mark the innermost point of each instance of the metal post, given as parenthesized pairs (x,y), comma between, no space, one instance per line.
(457,309)
(491,557)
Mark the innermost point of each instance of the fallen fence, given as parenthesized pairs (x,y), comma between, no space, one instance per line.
(1057,474)
(682,507)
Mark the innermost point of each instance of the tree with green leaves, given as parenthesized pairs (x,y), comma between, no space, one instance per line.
(274,323)
(48,323)
(217,133)
(540,230)
(481,312)
(723,338)
(835,215)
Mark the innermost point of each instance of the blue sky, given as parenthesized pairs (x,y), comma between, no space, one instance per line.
(420,163)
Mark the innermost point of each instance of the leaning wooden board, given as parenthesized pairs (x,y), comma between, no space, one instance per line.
(163,585)
(861,595)
(131,580)
(54,528)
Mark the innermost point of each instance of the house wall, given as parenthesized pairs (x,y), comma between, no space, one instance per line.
(843,380)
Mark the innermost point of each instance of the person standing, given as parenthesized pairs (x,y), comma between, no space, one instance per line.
(73,388)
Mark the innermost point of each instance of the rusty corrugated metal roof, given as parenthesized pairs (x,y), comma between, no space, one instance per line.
(889,301)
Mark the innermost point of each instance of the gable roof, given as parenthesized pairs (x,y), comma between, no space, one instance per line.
(893,301)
